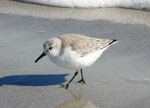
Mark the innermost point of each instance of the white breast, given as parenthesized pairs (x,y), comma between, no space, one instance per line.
(73,60)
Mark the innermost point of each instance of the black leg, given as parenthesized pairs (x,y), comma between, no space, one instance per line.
(82,79)
(67,85)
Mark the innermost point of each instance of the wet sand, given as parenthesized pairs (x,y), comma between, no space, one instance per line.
(117,15)
(119,79)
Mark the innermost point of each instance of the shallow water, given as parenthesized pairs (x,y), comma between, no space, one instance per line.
(120,78)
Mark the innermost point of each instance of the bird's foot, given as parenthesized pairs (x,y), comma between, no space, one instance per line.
(82,81)
(64,86)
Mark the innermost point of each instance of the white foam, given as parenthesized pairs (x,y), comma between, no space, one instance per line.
(136,4)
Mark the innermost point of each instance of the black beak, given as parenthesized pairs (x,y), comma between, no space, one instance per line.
(42,55)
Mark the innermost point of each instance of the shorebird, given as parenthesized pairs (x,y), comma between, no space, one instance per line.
(74,51)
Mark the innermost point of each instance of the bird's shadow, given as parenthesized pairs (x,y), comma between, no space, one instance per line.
(33,80)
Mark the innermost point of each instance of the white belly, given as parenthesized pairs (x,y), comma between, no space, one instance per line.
(73,60)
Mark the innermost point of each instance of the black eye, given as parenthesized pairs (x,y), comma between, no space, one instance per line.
(50,48)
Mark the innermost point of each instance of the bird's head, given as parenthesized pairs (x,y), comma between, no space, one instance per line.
(51,47)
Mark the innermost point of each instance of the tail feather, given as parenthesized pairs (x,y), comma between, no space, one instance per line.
(113,41)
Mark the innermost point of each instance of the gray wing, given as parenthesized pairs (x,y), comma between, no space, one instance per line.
(83,44)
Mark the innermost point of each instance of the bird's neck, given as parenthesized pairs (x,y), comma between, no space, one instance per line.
(58,49)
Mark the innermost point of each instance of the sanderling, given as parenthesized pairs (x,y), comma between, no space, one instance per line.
(75,51)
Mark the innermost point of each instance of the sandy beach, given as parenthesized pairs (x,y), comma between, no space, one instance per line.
(119,79)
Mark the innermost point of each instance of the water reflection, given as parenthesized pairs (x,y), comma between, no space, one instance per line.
(76,101)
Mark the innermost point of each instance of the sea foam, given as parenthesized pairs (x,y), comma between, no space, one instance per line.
(136,4)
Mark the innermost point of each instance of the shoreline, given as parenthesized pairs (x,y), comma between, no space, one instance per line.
(119,79)
(116,15)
